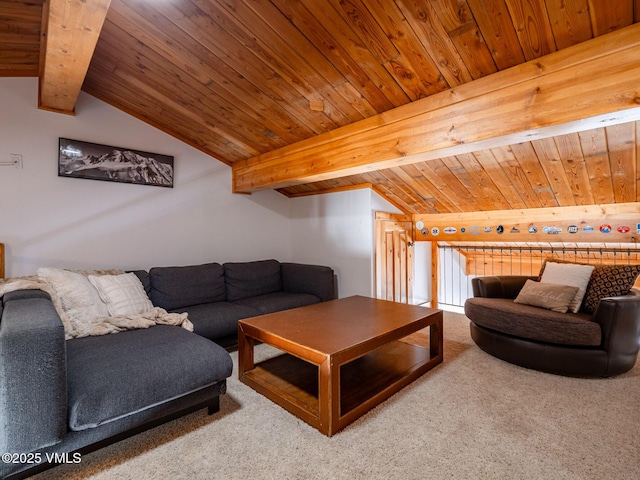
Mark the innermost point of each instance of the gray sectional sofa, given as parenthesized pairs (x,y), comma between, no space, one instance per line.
(60,397)
(216,296)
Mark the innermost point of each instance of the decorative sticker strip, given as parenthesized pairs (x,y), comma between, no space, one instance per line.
(515,229)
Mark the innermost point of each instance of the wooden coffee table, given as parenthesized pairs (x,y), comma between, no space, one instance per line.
(341,358)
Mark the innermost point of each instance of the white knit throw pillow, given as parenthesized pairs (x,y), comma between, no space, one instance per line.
(123,294)
(571,274)
(79,299)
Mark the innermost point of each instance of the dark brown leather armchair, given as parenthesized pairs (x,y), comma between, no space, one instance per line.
(504,329)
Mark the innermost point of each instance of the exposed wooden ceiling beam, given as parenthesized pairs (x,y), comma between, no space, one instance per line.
(346,188)
(592,84)
(70,31)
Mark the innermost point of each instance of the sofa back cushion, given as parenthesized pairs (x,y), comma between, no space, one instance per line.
(177,287)
(250,279)
(317,280)
(144,278)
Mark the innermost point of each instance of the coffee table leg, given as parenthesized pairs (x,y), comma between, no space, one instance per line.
(329,396)
(245,353)
(436,336)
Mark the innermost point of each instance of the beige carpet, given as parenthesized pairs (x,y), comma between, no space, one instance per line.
(473,417)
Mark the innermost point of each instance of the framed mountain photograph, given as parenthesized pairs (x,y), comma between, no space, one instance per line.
(115,164)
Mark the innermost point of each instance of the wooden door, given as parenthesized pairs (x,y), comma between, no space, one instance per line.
(394,257)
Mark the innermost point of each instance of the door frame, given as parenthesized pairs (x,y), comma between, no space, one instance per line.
(382,274)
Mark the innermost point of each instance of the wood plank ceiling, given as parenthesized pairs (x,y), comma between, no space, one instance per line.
(241,78)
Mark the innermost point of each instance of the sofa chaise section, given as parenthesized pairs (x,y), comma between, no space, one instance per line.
(62,396)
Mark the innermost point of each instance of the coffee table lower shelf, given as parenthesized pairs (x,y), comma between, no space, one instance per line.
(364,382)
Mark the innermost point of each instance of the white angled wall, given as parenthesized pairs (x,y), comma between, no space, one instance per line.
(338,228)
(48,220)
(53,221)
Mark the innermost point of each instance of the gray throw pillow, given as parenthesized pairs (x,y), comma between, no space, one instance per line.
(547,295)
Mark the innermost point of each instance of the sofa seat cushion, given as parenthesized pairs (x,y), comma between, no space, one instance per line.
(113,376)
(219,319)
(274,302)
(533,323)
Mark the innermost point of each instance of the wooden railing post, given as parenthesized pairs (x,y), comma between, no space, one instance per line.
(434,274)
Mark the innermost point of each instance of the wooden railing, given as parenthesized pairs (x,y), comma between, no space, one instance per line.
(458,263)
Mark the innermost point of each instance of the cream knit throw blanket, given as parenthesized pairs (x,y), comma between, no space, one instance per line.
(101,326)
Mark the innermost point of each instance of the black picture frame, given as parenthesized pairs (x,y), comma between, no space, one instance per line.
(79,159)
